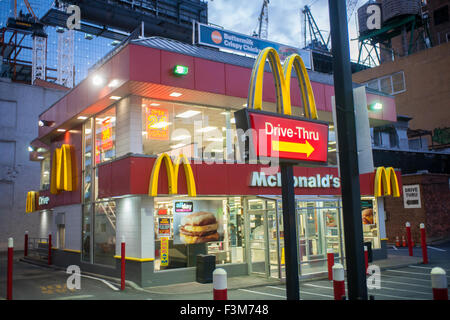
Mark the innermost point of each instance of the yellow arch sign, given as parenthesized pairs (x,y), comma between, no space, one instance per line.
(282,78)
(63,173)
(30,205)
(387,180)
(172,175)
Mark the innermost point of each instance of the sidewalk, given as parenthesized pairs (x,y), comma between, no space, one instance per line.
(393,261)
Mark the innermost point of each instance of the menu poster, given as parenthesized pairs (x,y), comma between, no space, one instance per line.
(196,227)
(164,227)
(367,212)
(157,123)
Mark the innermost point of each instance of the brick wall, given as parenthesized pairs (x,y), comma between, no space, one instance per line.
(434,211)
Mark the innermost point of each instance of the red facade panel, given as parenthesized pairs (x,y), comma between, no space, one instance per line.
(209,76)
(144,64)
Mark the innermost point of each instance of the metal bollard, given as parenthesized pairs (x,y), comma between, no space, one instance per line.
(25,245)
(423,239)
(122,264)
(439,284)
(220,284)
(366,259)
(330,261)
(9,270)
(338,281)
(409,239)
(49,257)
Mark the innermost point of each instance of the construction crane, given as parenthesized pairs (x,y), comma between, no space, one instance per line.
(316,39)
(263,21)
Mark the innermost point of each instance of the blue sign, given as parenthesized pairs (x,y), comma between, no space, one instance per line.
(224,39)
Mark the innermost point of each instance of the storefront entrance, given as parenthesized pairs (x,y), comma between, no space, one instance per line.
(318,229)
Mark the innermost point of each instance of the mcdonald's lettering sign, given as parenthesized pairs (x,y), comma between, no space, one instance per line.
(386,183)
(172,175)
(30,205)
(280,134)
(64,170)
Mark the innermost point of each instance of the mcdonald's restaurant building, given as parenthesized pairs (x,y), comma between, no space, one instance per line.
(144,150)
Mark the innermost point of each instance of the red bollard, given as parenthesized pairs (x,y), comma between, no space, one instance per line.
(122,265)
(9,271)
(25,245)
(423,239)
(49,249)
(439,284)
(330,260)
(366,259)
(220,284)
(338,281)
(409,239)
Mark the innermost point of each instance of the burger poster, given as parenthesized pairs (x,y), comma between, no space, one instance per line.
(197,226)
(367,212)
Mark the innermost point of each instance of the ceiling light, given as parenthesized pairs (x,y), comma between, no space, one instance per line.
(40,149)
(332,150)
(188,114)
(154,104)
(41,158)
(82,118)
(161,124)
(97,80)
(30,149)
(233,120)
(215,139)
(61,130)
(179,145)
(115,97)
(113,83)
(244,105)
(217,150)
(175,94)
(206,129)
(332,142)
(181,137)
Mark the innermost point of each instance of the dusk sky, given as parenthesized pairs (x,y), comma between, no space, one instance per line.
(284,19)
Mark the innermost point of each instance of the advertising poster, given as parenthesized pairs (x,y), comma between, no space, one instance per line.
(164,227)
(192,226)
(156,123)
(106,135)
(164,251)
(367,212)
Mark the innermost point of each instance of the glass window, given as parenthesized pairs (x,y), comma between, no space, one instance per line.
(105,232)
(373,84)
(193,130)
(398,82)
(105,139)
(87,192)
(386,85)
(86,233)
(221,232)
(369,213)
(45,172)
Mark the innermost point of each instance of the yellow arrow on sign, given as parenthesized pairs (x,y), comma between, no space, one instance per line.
(284,146)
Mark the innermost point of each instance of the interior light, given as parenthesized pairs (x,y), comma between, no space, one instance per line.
(61,130)
(331,150)
(82,118)
(113,83)
(115,98)
(41,158)
(30,149)
(181,137)
(41,149)
(179,145)
(206,129)
(154,104)
(97,80)
(215,139)
(45,123)
(233,120)
(217,150)
(175,94)
(332,142)
(188,114)
(180,70)
(161,124)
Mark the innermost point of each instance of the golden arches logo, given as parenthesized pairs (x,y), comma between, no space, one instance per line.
(386,179)
(172,170)
(30,205)
(282,78)
(64,171)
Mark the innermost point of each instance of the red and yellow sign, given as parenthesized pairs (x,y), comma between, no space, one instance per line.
(106,135)
(289,138)
(164,251)
(156,123)
(64,170)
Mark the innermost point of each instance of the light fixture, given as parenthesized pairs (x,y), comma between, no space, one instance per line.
(215,139)
(115,98)
(179,145)
(181,137)
(332,150)
(206,129)
(188,114)
(97,80)
(244,105)
(154,104)
(30,149)
(332,142)
(233,120)
(113,83)
(40,157)
(180,70)
(161,124)
(40,149)
(175,94)
(82,118)
(217,150)
(61,130)
(87,131)
(376,106)
(45,123)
